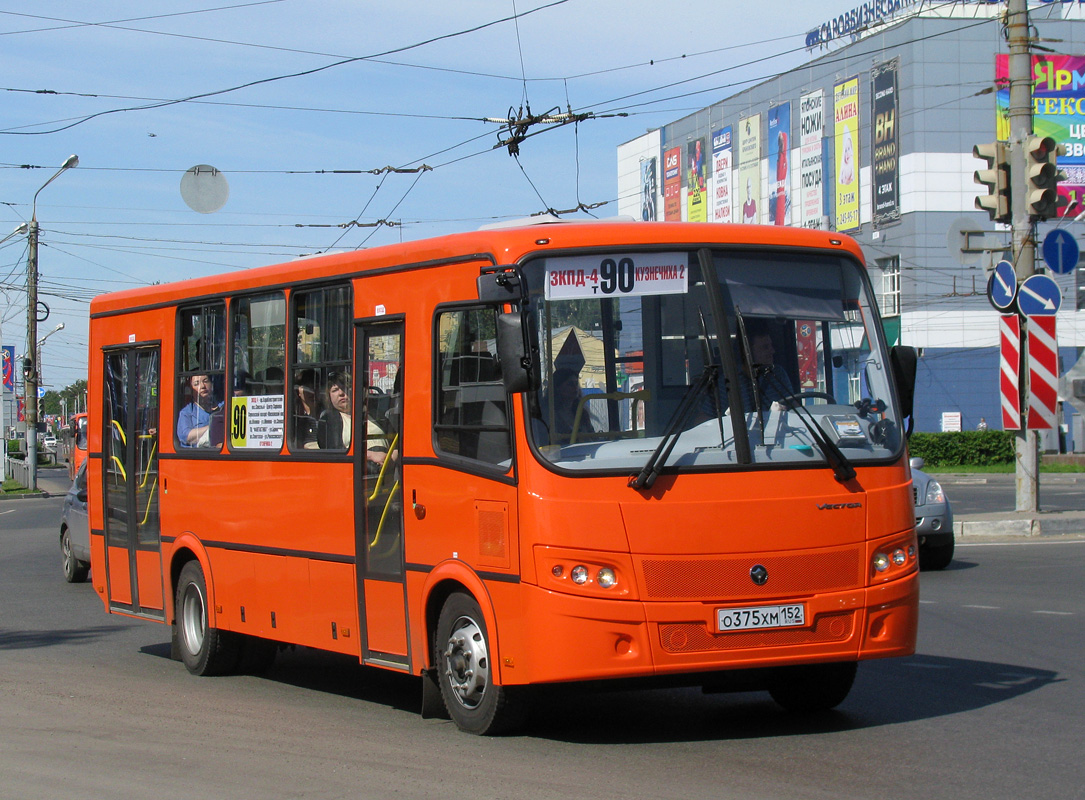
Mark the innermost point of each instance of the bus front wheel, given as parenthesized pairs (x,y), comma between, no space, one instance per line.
(813,687)
(465,672)
(205,650)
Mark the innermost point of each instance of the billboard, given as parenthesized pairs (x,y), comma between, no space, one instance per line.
(696,181)
(672,185)
(749,168)
(1058,111)
(811,175)
(846,150)
(648,190)
(885,164)
(779,206)
(721,175)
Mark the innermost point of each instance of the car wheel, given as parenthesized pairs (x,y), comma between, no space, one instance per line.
(816,687)
(205,650)
(474,702)
(75,571)
(935,558)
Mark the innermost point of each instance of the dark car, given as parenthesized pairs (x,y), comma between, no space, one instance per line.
(75,530)
(933,519)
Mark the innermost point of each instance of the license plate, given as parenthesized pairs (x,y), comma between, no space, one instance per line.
(758,617)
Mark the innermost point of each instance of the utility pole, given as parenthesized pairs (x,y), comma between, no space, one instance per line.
(30,367)
(1024,241)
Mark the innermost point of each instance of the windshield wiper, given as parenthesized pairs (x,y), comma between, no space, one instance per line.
(654,465)
(842,468)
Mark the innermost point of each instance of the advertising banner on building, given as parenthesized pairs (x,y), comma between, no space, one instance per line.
(1058,111)
(846,150)
(885,150)
(749,169)
(779,164)
(7,355)
(648,190)
(721,175)
(697,181)
(672,185)
(811,131)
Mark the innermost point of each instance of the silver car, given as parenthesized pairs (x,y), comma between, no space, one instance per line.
(75,530)
(933,519)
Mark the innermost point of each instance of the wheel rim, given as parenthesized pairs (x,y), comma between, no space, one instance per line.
(193,618)
(467,662)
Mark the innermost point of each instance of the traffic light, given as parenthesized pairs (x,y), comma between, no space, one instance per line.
(997,180)
(1042,154)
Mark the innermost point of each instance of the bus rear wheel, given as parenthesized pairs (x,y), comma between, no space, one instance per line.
(205,650)
(813,687)
(464,671)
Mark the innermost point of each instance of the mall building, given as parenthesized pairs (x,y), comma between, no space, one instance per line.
(873,137)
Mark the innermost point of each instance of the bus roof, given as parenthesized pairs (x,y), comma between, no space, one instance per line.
(501,245)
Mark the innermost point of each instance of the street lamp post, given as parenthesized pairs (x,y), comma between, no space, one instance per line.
(30,365)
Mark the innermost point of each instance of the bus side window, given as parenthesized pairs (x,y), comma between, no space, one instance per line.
(201,378)
(257,369)
(472,407)
(319,396)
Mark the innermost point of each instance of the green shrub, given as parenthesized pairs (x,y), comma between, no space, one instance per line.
(979,448)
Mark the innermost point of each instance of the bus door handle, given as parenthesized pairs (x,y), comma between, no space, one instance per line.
(418,508)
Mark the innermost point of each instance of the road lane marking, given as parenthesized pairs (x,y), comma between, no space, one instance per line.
(988,608)
(1055,613)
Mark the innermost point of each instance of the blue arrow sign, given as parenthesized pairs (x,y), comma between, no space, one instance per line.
(1039,296)
(1002,286)
(1061,251)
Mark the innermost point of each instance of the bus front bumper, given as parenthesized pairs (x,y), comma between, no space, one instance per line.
(570,638)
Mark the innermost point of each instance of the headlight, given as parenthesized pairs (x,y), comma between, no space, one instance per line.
(934,493)
(606,578)
(881,562)
(579,575)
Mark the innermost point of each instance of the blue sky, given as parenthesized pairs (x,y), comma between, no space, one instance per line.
(77,77)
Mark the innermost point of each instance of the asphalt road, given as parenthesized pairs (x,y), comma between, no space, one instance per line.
(990,707)
(983,494)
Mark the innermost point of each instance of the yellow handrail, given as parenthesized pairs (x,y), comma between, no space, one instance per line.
(384,468)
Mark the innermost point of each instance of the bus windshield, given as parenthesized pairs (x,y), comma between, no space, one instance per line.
(632,362)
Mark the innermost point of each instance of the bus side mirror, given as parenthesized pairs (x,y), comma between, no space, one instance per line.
(500,285)
(903,360)
(512,352)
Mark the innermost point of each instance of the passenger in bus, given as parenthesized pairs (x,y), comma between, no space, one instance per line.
(559,417)
(334,430)
(306,411)
(771,380)
(201,423)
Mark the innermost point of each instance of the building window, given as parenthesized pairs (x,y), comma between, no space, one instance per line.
(890,268)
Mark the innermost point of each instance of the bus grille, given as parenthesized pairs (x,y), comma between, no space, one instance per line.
(717,579)
(690,637)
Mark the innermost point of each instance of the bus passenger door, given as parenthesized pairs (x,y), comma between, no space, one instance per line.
(130,469)
(378,491)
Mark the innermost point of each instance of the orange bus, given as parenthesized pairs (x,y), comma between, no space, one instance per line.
(520,456)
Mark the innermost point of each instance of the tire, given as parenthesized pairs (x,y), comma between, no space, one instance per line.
(935,558)
(817,687)
(462,655)
(75,571)
(205,650)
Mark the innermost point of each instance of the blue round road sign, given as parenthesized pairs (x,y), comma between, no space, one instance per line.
(1061,251)
(1039,296)
(1002,286)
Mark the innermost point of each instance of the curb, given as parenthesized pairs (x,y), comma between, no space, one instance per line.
(1025,528)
